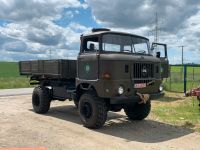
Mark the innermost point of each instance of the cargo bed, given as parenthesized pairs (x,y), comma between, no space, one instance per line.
(57,69)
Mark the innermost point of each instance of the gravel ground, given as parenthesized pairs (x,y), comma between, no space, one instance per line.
(14,92)
(61,129)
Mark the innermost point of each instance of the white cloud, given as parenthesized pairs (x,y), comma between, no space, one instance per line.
(137,13)
(33,32)
(17,46)
(179,22)
(26,10)
(34,40)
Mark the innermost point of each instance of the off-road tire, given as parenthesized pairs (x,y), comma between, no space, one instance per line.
(76,103)
(138,111)
(98,115)
(41,100)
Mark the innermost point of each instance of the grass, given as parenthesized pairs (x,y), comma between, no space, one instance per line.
(177,110)
(176,79)
(179,86)
(14,82)
(190,69)
(9,69)
(10,78)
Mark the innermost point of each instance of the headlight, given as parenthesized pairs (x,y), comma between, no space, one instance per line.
(161,88)
(120,90)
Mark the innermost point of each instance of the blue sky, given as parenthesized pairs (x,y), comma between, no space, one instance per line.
(29,29)
(81,16)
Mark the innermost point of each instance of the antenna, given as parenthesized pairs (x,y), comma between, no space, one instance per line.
(156,29)
(156,38)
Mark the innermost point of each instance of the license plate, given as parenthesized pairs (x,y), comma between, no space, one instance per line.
(140,85)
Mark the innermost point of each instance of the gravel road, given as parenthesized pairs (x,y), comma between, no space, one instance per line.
(61,129)
(14,92)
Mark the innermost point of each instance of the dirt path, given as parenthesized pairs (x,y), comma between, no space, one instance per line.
(14,92)
(61,129)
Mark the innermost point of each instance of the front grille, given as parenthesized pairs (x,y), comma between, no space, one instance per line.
(143,70)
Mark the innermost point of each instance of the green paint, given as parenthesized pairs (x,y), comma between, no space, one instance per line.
(87,68)
(161,69)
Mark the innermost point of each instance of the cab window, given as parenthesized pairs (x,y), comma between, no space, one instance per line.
(90,44)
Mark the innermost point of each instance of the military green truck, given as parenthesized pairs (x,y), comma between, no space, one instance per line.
(113,71)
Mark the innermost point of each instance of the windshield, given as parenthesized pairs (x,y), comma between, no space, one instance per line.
(124,43)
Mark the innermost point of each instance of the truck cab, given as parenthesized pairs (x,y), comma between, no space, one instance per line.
(119,65)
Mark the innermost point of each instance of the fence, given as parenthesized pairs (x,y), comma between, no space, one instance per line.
(175,82)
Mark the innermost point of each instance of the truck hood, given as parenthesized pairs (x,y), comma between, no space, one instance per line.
(129,57)
(124,66)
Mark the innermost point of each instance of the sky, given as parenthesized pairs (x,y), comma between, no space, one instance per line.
(30,29)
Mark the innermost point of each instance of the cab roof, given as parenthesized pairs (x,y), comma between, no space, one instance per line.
(100,31)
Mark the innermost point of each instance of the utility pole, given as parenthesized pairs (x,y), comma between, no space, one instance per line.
(183,67)
(182,54)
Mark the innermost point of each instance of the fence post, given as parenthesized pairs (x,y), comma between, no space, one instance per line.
(170,81)
(185,79)
(193,73)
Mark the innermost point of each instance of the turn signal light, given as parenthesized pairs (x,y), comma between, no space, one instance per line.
(106,76)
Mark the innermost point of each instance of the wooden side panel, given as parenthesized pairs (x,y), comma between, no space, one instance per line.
(50,68)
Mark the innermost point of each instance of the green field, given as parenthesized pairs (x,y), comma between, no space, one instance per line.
(9,69)
(189,69)
(10,78)
(175,81)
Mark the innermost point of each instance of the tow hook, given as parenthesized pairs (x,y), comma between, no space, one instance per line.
(143,97)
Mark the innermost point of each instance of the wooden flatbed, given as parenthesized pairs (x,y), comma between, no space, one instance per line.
(55,69)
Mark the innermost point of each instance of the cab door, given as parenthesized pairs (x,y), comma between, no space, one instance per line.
(160,50)
(88,59)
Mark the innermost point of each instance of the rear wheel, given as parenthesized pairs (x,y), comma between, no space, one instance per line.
(41,100)
(92,110)
(138,111)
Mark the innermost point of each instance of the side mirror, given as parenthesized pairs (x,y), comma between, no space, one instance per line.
(158,54)
(162,51)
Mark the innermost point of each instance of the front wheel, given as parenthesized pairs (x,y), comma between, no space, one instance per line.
(76,103)
(92,110)
(41,100)
(138,111)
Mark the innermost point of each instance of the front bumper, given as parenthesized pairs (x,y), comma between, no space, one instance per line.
(133,99)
